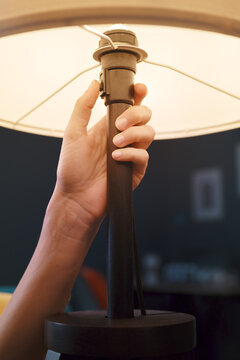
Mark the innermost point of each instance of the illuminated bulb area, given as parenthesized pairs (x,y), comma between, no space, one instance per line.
(118,27)
(35,64)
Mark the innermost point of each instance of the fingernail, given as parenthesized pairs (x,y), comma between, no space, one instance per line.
(118,139)
(121,123)
(116,154)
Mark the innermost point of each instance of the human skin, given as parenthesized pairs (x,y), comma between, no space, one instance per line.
(73,216)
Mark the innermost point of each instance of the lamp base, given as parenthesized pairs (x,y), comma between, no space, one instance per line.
(185,356)
(90,334)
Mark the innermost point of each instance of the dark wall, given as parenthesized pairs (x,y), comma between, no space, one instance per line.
(165,197)
(163,201)
(27,177)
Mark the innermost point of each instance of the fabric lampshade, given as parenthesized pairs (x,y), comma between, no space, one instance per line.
(42,46)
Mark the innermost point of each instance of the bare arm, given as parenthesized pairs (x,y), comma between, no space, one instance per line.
(72,219)
(46,285)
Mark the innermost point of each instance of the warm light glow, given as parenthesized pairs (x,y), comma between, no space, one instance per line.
(118,27)
(34,64)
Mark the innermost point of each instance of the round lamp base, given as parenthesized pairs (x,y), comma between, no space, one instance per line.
(91,334)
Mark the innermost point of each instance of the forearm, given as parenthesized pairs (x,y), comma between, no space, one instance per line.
(47,282)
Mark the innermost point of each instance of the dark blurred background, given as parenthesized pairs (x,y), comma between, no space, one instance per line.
(188,224)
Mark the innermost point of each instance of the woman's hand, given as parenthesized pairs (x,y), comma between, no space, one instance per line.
(81,175)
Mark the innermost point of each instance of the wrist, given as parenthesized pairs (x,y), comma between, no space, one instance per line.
(77,218)
(67,230)
(79,206)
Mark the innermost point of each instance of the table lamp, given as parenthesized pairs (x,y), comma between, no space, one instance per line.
(197,31)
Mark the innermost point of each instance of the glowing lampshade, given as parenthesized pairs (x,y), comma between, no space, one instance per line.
(34,64)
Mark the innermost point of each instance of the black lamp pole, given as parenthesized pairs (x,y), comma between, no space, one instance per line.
(121,333)
(120,228)
(116,82)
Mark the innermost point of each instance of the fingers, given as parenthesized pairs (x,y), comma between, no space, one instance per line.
(141,137)
(139,158)
(140,91)
(82,110)
(138,136)
(136,115)
(135,132)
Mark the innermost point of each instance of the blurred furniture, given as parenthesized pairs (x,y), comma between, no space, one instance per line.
(97,284)
(4,299)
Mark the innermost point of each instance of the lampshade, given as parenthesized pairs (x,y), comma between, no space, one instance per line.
(43,46)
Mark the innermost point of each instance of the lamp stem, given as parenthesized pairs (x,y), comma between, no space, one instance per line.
(117,89)
(120,229)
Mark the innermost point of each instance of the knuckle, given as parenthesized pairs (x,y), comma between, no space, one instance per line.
(78,102)
(146,156)
(70,133)
(132,154)
(152,132)
(133,135)
(69,136)
(140,156)
(142,113)
(148,111)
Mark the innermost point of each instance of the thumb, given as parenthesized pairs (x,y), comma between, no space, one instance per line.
(83,108)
